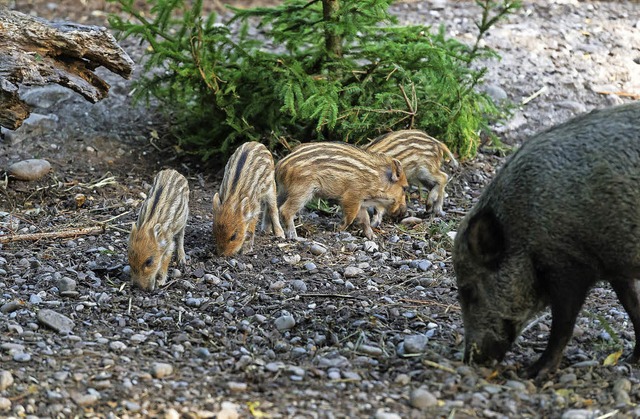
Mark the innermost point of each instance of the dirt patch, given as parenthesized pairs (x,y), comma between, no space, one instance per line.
(332,326)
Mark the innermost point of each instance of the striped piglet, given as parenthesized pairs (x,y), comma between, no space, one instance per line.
(248,188)
(161,223)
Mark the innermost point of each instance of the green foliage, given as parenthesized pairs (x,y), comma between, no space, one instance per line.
(343,73)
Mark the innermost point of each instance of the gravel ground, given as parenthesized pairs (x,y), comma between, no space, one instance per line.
(328,327)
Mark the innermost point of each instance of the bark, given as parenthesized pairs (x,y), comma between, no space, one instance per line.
(36,52)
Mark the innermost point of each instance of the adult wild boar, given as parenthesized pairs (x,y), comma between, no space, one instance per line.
(561,214)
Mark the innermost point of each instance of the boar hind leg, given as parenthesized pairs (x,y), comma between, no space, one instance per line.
(567,293)
(435,199)
(270,214)
(182,256)
(295,200)
(627,292)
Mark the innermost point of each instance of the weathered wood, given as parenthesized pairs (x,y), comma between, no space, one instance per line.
(34,51)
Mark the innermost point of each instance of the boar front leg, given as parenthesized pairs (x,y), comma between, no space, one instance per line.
(435,199)
(567,292)
(627,292)
(294,201)
(270,215)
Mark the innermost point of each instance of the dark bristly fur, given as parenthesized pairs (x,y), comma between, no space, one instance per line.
(561,214)
(161,222)
(421,156)
(247,188)
(356,178)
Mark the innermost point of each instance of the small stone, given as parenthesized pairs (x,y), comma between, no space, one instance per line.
(65,284)
(421,398)
(211,279)
(410,221)
(55,321)
(352,272)
(31,169)
(6,380)
(578,414)
(236,387)
(621,389)
(11,307)
(310,266)
(317,249)
(285,323)
(5,404)
(415,344)
(402,379)
(35,299)
(228,410)
(161,369)
(516,385)
(116,345)
(85,399)
(299,285)
(381,414)
(21,357)
(291,259)
(370,350)
(370,246)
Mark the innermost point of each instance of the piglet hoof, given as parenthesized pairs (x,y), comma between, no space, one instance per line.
(541,370)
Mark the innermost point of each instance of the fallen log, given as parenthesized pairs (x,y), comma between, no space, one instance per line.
(35,52)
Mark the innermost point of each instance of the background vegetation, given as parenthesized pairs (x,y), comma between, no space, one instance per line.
(309,70)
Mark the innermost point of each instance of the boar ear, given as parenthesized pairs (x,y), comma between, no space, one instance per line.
(216,202)
(395,172)
(486,238)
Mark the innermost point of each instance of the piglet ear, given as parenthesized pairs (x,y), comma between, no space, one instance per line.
(395,172)
(134,229)
(156,231)
(216,202)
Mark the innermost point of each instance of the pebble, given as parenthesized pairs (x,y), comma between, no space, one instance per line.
(415,344)
(116,345)
(236,387)
(291,259)
(56,321)
(161,369)
(410,221)
(370,246)
(310,266)
(11,306)
(85,399)
(66,284)
(299,285)
(370,350)
(516,385)
(31,169)
(228,410)
(317,249)
(21,357)
(579,414)
(6,380)
(421,398)
(381,414)
(352,272)
(5,404)
(285,323)
(621,389)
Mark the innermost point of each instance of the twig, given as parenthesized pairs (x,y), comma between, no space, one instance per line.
(429,303)
(350,297)
(53,234)
(534,322)
(438,366)
(535,95)
(620,93)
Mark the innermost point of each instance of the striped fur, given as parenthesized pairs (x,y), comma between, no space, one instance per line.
(356,178)
(161,223)
(248,188)
(421,156)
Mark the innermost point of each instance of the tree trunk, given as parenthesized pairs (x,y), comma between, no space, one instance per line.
(35,52)
(333,42)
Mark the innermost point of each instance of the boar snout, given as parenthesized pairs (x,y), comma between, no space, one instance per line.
(491,346)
